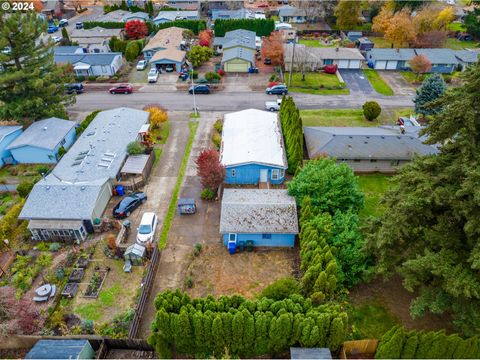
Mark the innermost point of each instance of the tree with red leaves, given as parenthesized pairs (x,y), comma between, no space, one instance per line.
(272,47)
(17,317)
(210,170)
(136,29)
(420,64)
(205,38)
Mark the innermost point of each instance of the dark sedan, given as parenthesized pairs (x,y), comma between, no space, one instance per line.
(199,89)
(279,89)
(129,203)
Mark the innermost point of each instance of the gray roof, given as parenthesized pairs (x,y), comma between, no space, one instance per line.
(113,16)
(44,134)
(173,15)
(135,249)
(90,58)
(238,52)
(364,143)
(468,56)
(59,349)
(5,130)
(228,14)
(288,10)
(60,50)
(310,353)
(438,56)
(138,14)
(258,212)
(71,189)
(391,54)
(135,164)
(238,37)
(96,32)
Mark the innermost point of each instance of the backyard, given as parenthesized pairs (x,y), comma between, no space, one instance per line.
(373,186)
(377,82)
(341,117)
(313,43)
(318,83)
(451,43)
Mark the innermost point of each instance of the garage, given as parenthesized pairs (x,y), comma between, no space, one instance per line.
(392,65)
(173,57)
(389,59)
(236,65)
(237,59)
(343,64)
(380,65)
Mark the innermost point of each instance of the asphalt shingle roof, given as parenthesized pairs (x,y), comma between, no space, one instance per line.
(173,15)
(44,134)
(90,58)
(392,54)
(289,10)
(468,56)
(238,52)
(8,129)
(364,143)
(258,212)
(438,56)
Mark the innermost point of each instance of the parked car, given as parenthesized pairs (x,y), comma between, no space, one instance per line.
(129,203)
(464,37)
(146,229)
(121,89)
(79,25)
(253,70)
(273,105)
(277,90)
(7,50)
(152,75)
(63,23)
(267,61)
(169,68)
(76,88)
(142,64)
(52,28)
(199,89)
(56,39)
(330,69)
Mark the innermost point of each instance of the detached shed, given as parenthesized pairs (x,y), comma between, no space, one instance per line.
(138,165)
(61,349)
(310,353)
(135,253)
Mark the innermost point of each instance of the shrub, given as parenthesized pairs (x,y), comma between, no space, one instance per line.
(80,78)
(135,148)
(371,110)
(194,74)
(42,246)
(92,78)
(217,140)
(158,116)
(132,50)
(61,151)
(24,188)
(54,247)
(212,77)
(87,326)
(281,289)
(221,72)
(447,78)
(84,124)
(274,78)
(42,169)
(197,249)
(188,282)
(207,194)
(218,126)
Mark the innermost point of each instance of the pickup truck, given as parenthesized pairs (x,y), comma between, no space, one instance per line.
(273,105)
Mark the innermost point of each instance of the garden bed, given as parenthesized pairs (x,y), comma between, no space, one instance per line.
(95,285)
(70,290)
(76,275)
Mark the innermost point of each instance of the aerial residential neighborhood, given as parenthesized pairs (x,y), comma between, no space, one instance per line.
(239,179)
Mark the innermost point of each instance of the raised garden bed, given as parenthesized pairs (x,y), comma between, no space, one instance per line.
(83,261)
(76,275)
(95,285)
(70,290)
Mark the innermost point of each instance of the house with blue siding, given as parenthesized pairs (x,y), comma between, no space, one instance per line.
(7,135)
(41,141)
(443,60)
(252,149)
(264,217)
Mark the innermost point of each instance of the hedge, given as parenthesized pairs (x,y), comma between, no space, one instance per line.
(112,25)
(209,327)
(400,343)
(194,25)
(262,27)
(84,124)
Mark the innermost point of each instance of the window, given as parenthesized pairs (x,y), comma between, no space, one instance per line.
(266,236)
(62,142)
(373,160)
(395,162)
(232,237)
(282,173)
(327,61)
(232,172)
(356,160)
(275,174)
(104,69)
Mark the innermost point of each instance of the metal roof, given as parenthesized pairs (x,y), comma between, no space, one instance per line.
(258,212)
(173,15)
(238,53)
(44,134)
(310,353)
(364,143)
(60,50)
(288,10)
(59,349)
(468,56)
(439,56)
(135,164)
(252,136)
(135,249)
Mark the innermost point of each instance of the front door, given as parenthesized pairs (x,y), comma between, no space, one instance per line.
(263,175)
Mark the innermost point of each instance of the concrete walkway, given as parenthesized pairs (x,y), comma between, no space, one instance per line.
(183,234)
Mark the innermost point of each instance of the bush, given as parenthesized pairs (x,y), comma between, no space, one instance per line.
(42,169)
(54,247)
(158,116)
(447,78)
(194,74)
(281,289)
(188,282)
(92,78)
(274,78)
(221,72)
(61,151)
(207,194)
(24,188)
(42,246)
(135,148)
(217,140)
(218,126)
(212,77)
(80,78)
(132,50)
(197,249)
(371,110)
(87,326)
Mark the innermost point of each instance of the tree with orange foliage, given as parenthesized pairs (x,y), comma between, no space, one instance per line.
(272,47)
(382,21)
(401,31)
(420,65)
(158,115)
(205,38)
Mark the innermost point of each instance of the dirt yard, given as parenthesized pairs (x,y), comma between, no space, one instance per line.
(215,272)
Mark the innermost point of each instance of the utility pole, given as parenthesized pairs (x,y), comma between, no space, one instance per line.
(291,62)
(190,66)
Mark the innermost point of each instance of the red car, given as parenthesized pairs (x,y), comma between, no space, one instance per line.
(121,89)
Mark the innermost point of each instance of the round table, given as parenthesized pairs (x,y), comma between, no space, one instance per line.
(44,290)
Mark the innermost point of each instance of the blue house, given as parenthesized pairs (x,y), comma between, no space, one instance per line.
(443,60)
(264,217)
(252,149)
(41,141)
(7,135)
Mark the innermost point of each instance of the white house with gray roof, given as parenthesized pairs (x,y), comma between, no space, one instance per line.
(239,49)
(95,40)
(367,149)
(262,217)
(64,205)
(88,64)
(314,58)
(167,16)
(41,142)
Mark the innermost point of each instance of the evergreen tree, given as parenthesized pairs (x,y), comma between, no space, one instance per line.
(31,85)
(392,349)
(430,233)
(410,347)
(432,88)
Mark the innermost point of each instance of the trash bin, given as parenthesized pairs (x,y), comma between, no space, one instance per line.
(249,245)
(120,190)
(232,247)
(241,245)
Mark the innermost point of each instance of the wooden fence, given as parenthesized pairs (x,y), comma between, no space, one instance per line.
(6,265)
(358,349)
(147,285)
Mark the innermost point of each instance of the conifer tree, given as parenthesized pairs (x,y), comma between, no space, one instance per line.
(432,88)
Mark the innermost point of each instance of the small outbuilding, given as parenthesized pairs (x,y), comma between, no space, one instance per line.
(61,349)
(7,135)
(364,44)
(135,253)
(354,35)
(310,353)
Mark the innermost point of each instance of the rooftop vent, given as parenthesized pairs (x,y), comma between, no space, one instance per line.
(45,128)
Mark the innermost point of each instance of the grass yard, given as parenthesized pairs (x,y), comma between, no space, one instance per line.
(158,153)
(318,83)
(373,186)
(380,42)
(313,43)
(411,77)
(377,82)
(456,26)
(335,117)
(456,44)
(371,320)
(160,135)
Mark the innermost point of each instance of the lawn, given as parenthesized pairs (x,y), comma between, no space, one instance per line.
(456,44)
(380,42)
(313,43)
(371,320)
(105,300)
(335,117)
(373,186)
(158,153)
(318,83)
(160,135)
(456,26)
(377,82)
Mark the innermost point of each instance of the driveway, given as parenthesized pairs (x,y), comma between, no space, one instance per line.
(396,81)
(357,82)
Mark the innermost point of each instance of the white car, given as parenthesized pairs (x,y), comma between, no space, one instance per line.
(63,22)
(56,39)
(146,229)
(142,64)
(152,75)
